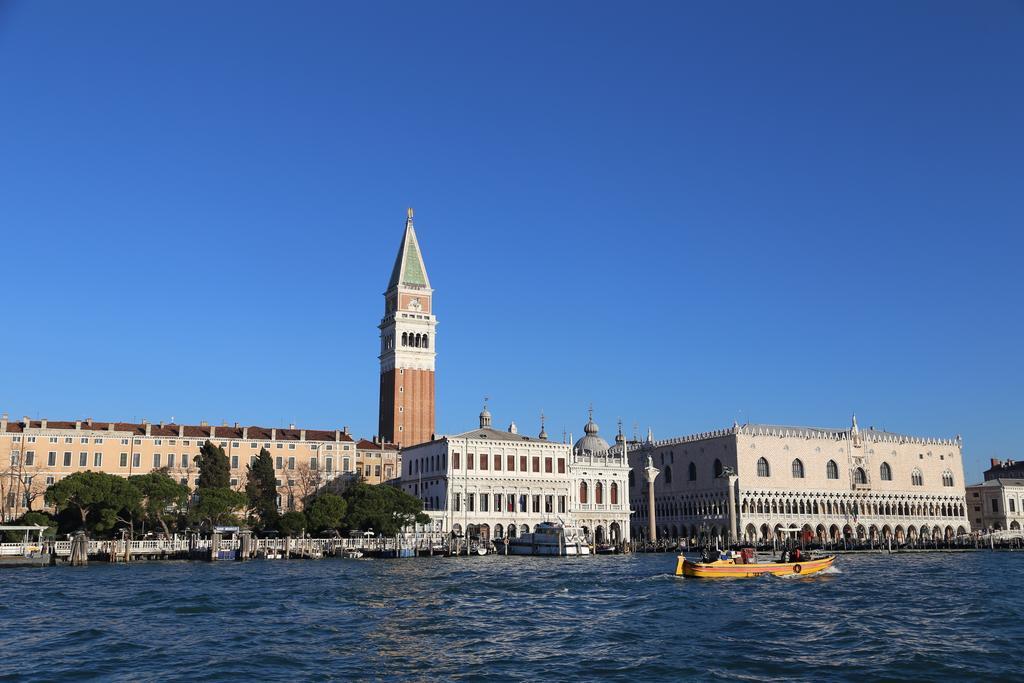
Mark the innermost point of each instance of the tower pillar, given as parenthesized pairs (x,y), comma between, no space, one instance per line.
(650,474)
(408,348)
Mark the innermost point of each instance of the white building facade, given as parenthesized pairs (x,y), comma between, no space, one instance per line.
(493,484)
(828,483)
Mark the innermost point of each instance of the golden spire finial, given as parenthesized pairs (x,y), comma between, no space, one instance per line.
(410,213)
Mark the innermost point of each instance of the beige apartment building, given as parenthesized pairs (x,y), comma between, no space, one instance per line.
(996,505)
(829,483)
(37,453)
(377,462)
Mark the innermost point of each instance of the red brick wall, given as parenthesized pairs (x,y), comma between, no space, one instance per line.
(417,414)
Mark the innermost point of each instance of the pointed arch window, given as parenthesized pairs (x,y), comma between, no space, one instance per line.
(762,468)
(668,474)
(693,471)
(632,479)
(916,478)
(798,469)
(583,492)
(885,471)
(832,470)
(860,476)
(718,468)
(947,478)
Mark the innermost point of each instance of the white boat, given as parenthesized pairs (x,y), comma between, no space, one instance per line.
(549,538)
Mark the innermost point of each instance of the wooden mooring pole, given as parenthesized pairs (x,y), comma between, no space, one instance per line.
(79,550)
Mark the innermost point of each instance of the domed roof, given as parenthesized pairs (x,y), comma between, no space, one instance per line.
(592,441)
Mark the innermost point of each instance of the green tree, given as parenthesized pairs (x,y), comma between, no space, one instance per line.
(261,489)
(100,500)
(292,523)
(217,506)
(162,497)
(214,467)
(382,508)
(326,512)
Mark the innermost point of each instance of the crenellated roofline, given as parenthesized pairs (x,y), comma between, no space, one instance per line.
(783,431)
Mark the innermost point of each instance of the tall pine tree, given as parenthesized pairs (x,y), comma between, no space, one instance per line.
(261,489)
(214,467)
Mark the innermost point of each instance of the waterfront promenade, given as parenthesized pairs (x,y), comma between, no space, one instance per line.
(245,547)
(239,547)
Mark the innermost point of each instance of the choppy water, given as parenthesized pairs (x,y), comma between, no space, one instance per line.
(911,617)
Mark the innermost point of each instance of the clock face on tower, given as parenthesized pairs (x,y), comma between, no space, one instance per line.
(415,304)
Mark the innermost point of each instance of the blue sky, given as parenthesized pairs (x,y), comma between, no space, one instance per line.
(772,212)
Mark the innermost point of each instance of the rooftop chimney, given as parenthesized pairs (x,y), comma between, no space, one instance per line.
(291,426)
(88,421)
(995,462)
(245,431)
(110,427)
(273,434)
(3,422)
(149,428)
(203,424)
(302,435)
(213,431)
(337,435)
(42,423)
(78,423)
(181,430)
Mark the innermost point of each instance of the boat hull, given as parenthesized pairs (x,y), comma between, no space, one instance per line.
(726,569)
(570,549)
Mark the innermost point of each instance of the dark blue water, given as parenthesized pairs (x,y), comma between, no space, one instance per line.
(910,617)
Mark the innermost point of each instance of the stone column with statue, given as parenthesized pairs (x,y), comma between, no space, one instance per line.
(651,473)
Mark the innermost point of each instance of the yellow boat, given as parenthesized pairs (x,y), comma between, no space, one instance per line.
(733,569)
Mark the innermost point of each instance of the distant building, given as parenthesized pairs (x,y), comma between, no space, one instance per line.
(407,349)
(996,505)
(37,453)
(1004,469)
(495,483)
(829,483)
(377,462)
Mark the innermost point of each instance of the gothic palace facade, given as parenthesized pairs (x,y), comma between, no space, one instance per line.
(829,483)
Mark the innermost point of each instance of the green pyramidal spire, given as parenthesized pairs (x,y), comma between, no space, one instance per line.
(409,268)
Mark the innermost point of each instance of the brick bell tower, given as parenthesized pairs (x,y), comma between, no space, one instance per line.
(407,348)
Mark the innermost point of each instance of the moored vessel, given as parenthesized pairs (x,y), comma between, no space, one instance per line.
(549,538)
